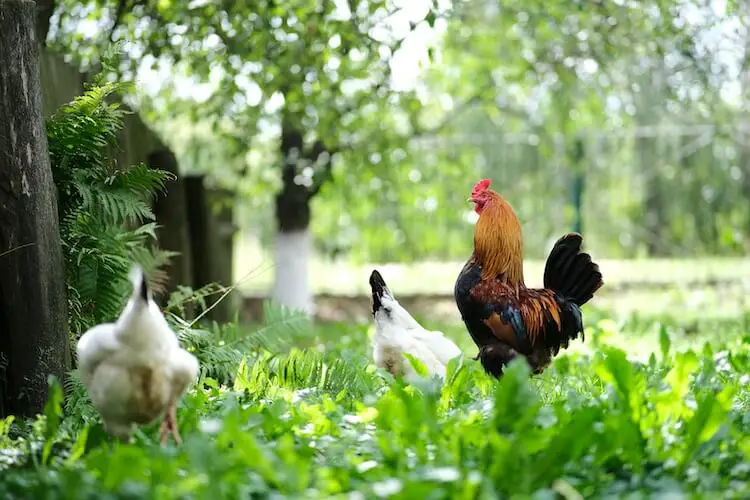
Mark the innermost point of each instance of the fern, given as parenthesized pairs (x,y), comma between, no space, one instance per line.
(77,401)
(221,348)
(308,369)
(104,209)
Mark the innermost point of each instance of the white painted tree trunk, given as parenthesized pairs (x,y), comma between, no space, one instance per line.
(292,283)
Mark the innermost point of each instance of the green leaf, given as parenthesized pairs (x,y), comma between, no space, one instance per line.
(664,342)
(53,416)
(417,365)
(709,417)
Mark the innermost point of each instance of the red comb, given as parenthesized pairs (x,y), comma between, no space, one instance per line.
(481,186)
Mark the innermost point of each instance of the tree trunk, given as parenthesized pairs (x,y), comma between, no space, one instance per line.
(292,258)
(171,210)
(293,246)
(292,249)
(33,305)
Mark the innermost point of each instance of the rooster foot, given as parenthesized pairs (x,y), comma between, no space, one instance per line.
(169,426)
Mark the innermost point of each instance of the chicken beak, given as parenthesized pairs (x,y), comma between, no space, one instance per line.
(469,199)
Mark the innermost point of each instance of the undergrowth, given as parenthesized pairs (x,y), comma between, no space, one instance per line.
(298,410)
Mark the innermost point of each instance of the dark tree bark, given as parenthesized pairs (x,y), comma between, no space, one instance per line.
(33,305)
(170,208)
(293,201)
(299,186)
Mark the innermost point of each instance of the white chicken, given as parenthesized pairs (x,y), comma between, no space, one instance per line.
(134,369)
(396,333)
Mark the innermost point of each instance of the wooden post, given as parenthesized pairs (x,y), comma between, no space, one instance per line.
(211,235)
(222,229)
(170,209)
(33,305)
(200,245)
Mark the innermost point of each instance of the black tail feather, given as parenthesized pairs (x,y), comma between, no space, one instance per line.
(571,272)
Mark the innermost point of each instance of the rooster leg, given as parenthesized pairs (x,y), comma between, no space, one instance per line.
(173,420)
(164,430)
(169,426)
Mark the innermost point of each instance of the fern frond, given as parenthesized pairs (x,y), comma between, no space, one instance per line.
(102,206)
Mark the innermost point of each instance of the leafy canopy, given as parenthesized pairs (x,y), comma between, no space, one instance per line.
(551,71)
(322,68)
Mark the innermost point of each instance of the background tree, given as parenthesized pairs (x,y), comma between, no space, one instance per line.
(33,319)
(316,76)
(557,92)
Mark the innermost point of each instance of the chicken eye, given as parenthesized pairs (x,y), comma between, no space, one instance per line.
(387,310)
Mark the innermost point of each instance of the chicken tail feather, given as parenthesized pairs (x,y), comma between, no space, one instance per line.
(140,283)
(379,289)
(570,272)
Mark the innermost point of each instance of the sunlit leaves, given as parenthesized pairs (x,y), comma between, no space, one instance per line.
(288,433)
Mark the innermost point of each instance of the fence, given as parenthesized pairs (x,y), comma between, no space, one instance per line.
(648,191)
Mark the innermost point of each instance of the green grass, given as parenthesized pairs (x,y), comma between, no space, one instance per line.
(640,410)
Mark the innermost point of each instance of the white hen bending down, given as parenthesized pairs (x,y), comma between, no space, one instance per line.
(134,369)
(396,332)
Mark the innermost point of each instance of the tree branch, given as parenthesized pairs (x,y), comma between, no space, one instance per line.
(449,118)
(318,150)
(121,5)
(388,72)
(425,132)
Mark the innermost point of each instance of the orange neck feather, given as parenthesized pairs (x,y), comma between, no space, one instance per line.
(498,241)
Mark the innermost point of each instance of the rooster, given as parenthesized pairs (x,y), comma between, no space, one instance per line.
(504,317)
(134,369)
(396,333)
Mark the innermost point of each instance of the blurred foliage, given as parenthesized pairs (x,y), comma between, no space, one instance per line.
(639,106)
(103,207)
(318,423)
(322,67)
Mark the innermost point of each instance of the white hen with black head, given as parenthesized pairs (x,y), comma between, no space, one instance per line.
(397,332)
(134,369)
